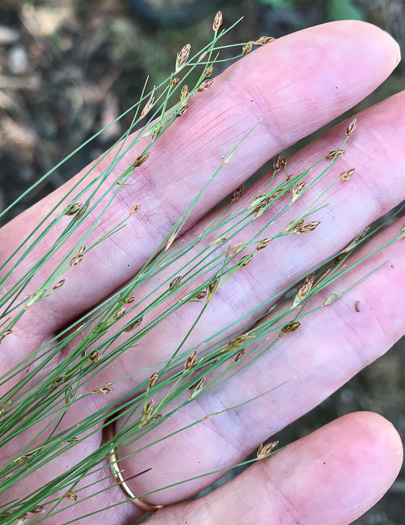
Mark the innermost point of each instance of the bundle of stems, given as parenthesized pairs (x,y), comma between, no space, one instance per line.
(177,273)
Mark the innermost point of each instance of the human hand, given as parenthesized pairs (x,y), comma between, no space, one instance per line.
(295,85)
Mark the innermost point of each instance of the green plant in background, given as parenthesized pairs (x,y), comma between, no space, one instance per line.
(175,275)
(344,10)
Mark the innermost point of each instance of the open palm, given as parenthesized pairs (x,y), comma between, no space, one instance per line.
(294,86)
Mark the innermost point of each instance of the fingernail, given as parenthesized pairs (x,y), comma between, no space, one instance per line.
(397,47)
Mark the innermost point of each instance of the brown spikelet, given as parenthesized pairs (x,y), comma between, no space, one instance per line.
(81,212)
(263,243)
(335,154)
(191,360)
(237,194)
(6,332)
(245,260)
(311,226)
(133,325)
(263,40)
(303,290)
(184,92)
(72,209)
(78,257)
(217,21)
(182,57)
(147,413)
(291,327)
(257,201)
(206,84)
(330,299)
(239,355)
(283,162)
(171,239)
(264,450)
(148,106)
(220,240)
(209,71)
(94,356)
(196,389)
(357,306)
(140,160)
(105,389)
(247,48)
(153,379)
(277,163)
(175,283)
(73,441)
(351,127)
(346,175)
(237,342)
(57,382)
(202,56)
(70,495)
(237,248)
(25,458)
(119,313)
(297,190)
(59,284)
(69,395)
(39,509)
(175,81)
(134,209)
(182,111)
(130,299)
(212,287)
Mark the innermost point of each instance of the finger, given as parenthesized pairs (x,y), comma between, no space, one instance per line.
(315,75)
(331,476)
(303,368)
(376,149)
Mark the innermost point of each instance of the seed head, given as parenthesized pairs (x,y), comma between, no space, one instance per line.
(303,290)
(73,440)
(237,342)
(78,257)
(69,396)
(283,162)
(182,111)
(335,154)
(330,299)
(264,450)
(72,209)
(217,21)
(239,355)
(346,175)
(175,283)
(182,57)
(247,48)
(105,389)
(140,160)
(184,92)
(309,227)
(220,240)
(263,40)
(237,248)
(175,81)
(357,306)
(59,284)
(6,332)
(212,287)
(81,212)
(153,379)
(205,84)
(263,243)
(351,127)
(119,313)
(147,413)
(291,327)
(245,260)
(57,382)
(196,389)
(237,194)
(70,495)
(209,71)
(148,105)
(94,356)
(135,209)
(39,509)
(277,163)
(133,325)
(297,190)
(191,360)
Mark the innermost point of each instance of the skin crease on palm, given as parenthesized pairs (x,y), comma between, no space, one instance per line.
(295,85)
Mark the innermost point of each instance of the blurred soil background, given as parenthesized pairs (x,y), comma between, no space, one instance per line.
(69,67)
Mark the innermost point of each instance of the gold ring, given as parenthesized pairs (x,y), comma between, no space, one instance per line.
(119,478)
